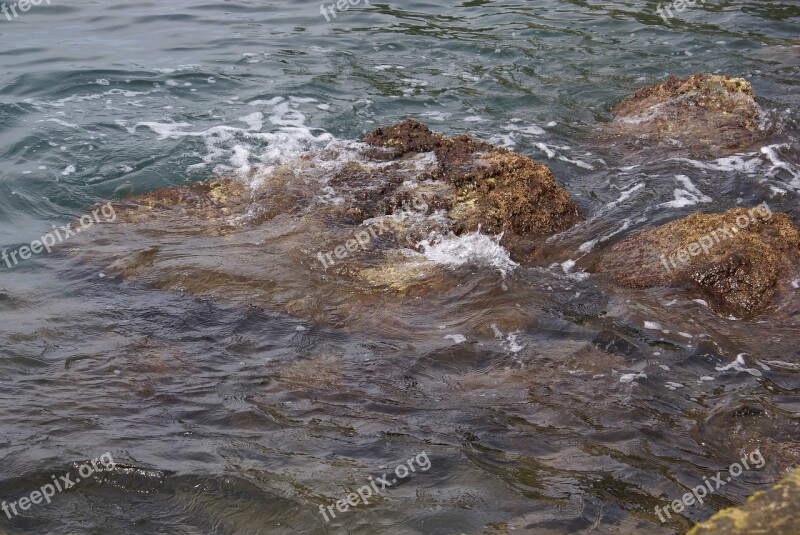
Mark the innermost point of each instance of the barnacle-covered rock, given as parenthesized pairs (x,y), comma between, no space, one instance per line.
(740,261)
(702,116)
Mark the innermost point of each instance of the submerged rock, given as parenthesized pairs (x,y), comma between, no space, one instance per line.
(740,261)
(775,511)
(337,235)
(702,116)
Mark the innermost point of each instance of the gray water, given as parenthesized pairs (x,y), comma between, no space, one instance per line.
(225,416)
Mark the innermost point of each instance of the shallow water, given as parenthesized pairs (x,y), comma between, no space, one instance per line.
(546,400)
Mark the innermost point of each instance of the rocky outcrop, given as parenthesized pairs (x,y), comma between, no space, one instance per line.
(496,190)
(739,261)
(775,512)
(338,234)
(702,116)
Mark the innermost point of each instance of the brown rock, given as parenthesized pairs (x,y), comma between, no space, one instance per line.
(739,261)
(496,189)
(331,236)
(702,116)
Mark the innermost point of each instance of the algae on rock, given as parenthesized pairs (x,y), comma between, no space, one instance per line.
(775,511)
(702,116)
(739,270)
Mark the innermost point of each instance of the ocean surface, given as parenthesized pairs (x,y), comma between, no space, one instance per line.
(531,400)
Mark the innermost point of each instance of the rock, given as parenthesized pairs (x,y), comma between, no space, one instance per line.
(774,512)
(703,116)
(740,261)
(341,233)
(496,190)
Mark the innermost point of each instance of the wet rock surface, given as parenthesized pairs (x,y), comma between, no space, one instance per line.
(336,235)
(496,190)
(702,116)
(741,261)
(477,185)
(774,511)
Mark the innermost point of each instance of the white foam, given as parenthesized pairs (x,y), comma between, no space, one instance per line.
(547,150)
(436,115)
(473,249)
(514,133)
(68,170)
(655,111)
(579,163)
(248,150)
(83,98)
(770,151)
(456,338)
(631,377)
(510,343)
(255,120)
(624,196)
(566,268)
(513,346)
(589,245)
(739,365)
(552,151)
(688,196)
(765,164)
(415,86)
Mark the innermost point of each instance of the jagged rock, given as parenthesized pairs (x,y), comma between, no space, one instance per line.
(702,116)
(495,189)
(774,512)
(739,261)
